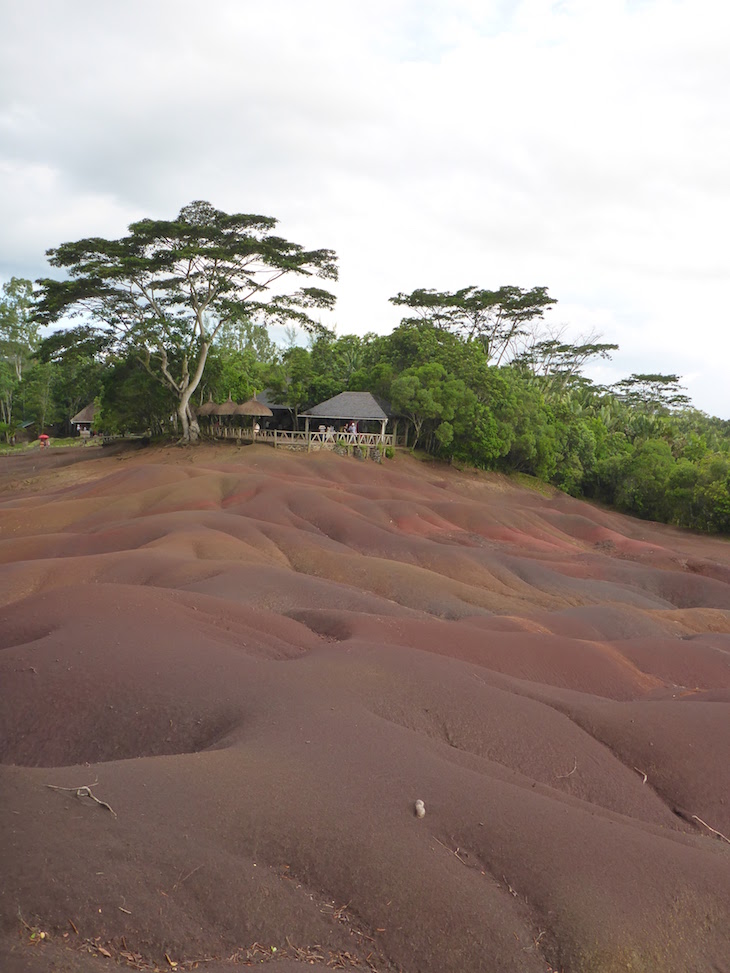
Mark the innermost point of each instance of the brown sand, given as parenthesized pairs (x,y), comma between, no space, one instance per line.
(261,660)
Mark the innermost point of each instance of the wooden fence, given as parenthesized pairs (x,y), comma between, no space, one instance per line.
(294,439)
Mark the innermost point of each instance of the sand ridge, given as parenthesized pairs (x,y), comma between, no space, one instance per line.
(263,659)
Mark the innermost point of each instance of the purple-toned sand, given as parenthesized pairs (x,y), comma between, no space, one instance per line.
(260,660)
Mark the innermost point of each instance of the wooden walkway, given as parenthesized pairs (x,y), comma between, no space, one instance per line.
(289,439)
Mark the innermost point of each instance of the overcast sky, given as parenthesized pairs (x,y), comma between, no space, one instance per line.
(581,145)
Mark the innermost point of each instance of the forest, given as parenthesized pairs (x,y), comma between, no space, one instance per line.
(178,311)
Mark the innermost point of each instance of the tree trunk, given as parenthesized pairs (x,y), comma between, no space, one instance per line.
(188,421)
(190,425)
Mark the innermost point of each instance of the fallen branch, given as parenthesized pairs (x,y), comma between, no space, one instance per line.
(84,791)
(454,853)
(181,880)
(642,774)
(36,934)
(535,942)
(564,776)
(511,892)
(706,825)
(20,916)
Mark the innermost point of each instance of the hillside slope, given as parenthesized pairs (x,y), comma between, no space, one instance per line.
(261,660)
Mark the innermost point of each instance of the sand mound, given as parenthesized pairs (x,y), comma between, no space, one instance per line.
(258,661)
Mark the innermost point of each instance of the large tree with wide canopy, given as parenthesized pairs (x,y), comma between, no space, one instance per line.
(167,288)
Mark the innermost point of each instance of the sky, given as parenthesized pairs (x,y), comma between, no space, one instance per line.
(580,145)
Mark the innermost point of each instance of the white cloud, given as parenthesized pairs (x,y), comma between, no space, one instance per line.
(580,145)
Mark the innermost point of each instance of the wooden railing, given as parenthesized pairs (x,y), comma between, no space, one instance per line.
(302,440)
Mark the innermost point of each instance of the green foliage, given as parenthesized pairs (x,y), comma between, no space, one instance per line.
(39,402)
(229,371)
(18,330)
(167,289)
(556,364)
(652,393)
(241,335)
(132,401)
(78,358)
(644,479)
(712,493)
(8,387)
(179,306)
(494,319)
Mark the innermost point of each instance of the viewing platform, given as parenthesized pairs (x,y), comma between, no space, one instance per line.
(307,440)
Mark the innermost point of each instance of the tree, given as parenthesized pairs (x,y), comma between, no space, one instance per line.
(652,393)
(428,393)
(79,356)
(229,372)
(558,364)
(132,400)
(644,480)
(18,330)
(166,290)
(494,318)
(291,381)
(38,398)
(244,335)
(8,383)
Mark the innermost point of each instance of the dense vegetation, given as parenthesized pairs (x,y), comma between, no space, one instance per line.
(478,373)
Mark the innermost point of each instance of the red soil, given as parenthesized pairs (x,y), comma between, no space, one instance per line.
(263,659)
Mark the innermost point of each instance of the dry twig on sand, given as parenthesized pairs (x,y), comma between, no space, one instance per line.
(564,776)
(454,853)
(84,791)
(706,825)
(181,880)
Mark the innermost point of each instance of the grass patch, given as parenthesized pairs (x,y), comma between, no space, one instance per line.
(533,483)
(63,443)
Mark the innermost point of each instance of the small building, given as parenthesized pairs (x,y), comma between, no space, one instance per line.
(362,408)
(83,420)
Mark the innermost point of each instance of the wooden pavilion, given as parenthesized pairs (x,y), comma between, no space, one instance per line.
(82,420)
(348,407)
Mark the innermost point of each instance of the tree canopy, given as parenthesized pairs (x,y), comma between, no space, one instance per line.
(497,319)
(167,288)
(181,308)
(18,330)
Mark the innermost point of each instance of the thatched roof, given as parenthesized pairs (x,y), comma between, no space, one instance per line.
(351,405)
(226,409)
(207,408)
(86,415)
(253,408)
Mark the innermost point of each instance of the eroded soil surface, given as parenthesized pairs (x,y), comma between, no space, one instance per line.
(259,661)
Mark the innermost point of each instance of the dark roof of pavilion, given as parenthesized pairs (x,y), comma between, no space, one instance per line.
(351,405)
(267,398)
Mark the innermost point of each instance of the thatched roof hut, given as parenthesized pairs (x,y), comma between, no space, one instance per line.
(253,408)
(207,408)
(86,416)
(227,408)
